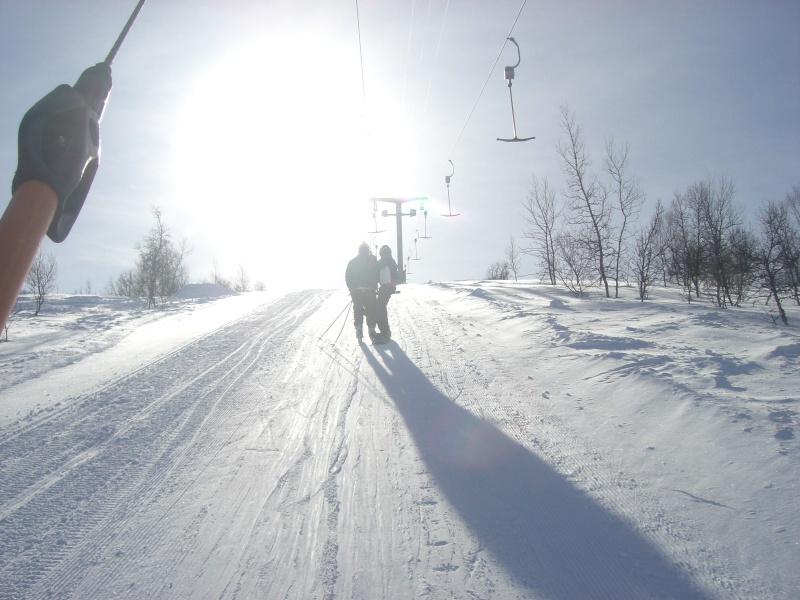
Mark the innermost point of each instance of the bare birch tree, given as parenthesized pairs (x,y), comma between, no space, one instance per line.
(744,252)
(218,278)
(793,202)
(125,285)
(41,277)
(575,262)
(11,318)
(628,198)
(513,257)
(242,283)
(791,243)
(161,268)
(587,200)
(719,218)
(540,214)
(685,244)
(646,251)
(773,276)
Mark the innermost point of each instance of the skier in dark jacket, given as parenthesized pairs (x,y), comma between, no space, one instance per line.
(361,279)
(388,279)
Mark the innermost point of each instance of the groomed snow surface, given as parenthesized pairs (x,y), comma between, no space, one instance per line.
(512,441)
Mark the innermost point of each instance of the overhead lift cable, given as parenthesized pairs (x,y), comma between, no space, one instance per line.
(436,56)
(408,54)
(361,62)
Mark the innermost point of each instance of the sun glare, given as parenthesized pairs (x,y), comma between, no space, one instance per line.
(273,151)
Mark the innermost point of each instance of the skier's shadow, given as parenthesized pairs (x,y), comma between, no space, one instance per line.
(546,532)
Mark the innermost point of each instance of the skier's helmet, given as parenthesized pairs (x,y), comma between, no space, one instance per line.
(386,251)
(363,248)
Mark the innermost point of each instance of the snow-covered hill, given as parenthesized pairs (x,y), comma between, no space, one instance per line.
(513,441)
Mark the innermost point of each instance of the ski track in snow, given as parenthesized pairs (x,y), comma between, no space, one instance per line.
(261,462)
(144,440)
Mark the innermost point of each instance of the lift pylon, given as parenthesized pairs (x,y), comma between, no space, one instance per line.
(399,214)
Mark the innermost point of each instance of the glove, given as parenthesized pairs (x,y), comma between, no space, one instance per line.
(59,144)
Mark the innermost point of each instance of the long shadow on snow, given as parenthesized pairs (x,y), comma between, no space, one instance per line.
(550,535)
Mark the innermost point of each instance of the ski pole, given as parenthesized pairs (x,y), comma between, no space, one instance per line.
(110,57)
(343,324)
(59,148)
(346,308)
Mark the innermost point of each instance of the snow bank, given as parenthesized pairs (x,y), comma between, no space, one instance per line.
(194,291)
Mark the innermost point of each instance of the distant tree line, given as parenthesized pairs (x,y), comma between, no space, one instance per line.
(701,243)
(161,269)
(159,272)
(240,283)
(587,234)
(498,270)
(509,267)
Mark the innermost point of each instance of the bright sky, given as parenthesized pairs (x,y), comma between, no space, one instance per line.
(246,121)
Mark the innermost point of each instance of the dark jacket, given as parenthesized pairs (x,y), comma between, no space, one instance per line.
(360,273)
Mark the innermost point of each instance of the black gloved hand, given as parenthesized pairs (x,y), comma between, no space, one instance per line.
(59,144)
